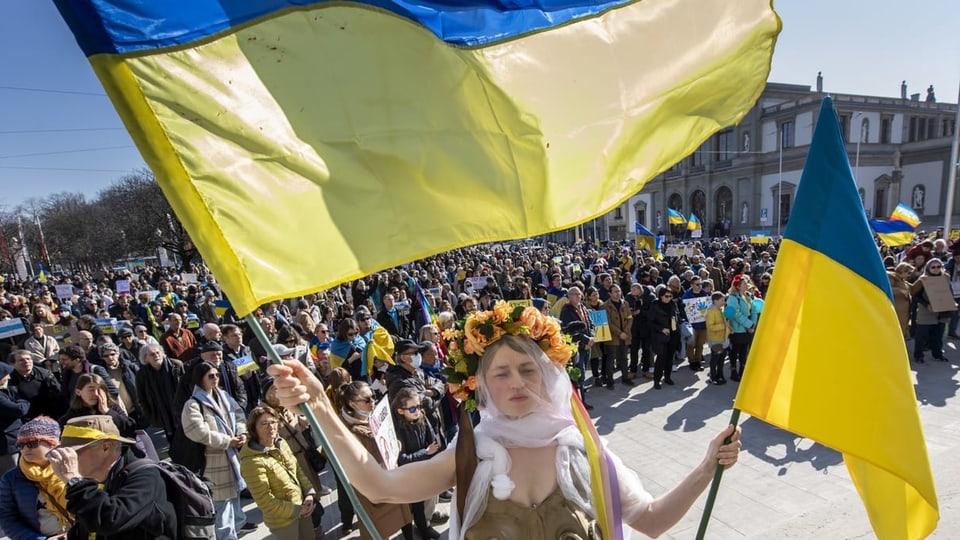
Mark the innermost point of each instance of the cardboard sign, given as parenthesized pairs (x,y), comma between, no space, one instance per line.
(524,302)
(65,292)
(381,424)
(188,278)
(939,293)
(123,286)
(696,308)
(193,322)
(12,327)
(107,326)
(245,364)
(478,282)
(601,325)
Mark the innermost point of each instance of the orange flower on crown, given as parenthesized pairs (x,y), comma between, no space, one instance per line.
(471,336)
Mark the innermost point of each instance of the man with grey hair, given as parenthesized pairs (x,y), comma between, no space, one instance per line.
(156,384)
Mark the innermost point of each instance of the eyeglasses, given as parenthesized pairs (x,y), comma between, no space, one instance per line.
(364,400)
(31,445)
(363,318)
(213,376)
(411,410)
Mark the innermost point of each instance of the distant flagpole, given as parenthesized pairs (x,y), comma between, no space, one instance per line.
(23,247)
(952,178)
(44,255)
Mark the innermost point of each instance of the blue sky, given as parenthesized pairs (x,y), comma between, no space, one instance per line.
(70,139)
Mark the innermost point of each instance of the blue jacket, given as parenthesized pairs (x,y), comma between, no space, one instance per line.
(18,513)
(740,313)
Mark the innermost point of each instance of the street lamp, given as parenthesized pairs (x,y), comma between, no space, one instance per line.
(779,201)
(856,166)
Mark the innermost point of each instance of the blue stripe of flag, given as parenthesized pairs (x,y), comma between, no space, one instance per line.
(125,26)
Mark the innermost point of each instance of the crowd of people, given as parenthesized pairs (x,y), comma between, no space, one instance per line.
(105,369)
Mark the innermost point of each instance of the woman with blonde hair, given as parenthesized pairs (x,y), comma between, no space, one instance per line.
(901,295)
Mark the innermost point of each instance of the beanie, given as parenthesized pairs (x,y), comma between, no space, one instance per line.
(41,428)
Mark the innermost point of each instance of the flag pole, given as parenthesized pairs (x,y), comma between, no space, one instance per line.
(317,433)
(715,486)
(952,176)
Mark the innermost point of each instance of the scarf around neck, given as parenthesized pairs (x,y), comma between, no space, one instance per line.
(52,489)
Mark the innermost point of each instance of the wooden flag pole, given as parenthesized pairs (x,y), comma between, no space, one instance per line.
(715,486)
(318,434)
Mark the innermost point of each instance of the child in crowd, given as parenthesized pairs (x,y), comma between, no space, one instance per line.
(418,442)
(718,330)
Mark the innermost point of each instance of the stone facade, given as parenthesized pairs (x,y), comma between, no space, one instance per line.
(742,180)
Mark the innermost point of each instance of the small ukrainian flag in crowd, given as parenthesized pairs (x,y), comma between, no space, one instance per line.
(674,217)
(693,224)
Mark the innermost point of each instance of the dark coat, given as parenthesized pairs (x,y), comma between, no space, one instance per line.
(154,388)
(403,331)
(398,377)
(19,516)
(12,411)
(660,318)
(133,504)
(42,389)
(235,386)
(414,440)
(125,424)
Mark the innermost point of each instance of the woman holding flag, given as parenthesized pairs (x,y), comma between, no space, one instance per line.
(539,469)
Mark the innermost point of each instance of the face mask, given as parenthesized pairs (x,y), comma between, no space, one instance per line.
(363,414)
(382,369)
(416,360)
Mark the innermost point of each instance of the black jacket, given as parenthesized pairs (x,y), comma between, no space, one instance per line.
(154,388)
(42,389)
(12,411)
(398,377)
(234,386)
(660,318)
(133,504)
(414,440)
(386,321)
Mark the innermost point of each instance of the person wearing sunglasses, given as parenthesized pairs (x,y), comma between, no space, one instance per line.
(418,442)
(665,329)
(34,498)
(356,407)
(931,316)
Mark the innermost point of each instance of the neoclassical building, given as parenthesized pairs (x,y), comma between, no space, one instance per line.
(744,177)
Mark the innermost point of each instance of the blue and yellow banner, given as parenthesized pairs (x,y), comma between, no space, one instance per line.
(905,214)
(693,224)
(674,217)
(646,239)
(893,232)
(855,394)
(371,123)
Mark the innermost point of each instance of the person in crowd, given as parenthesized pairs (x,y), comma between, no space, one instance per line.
(13,409)
(665,328)
(901,295)
(592,301)
(338,377)
(124,374)
(952,271)
(34,498)
(930,323)
(743,321)
(110,493)
(229,380)
(347,349)
(40,345)
(620,320)
(177,341)
(128,345)
(283,493)
(718,332)
(695,346)
(356,402)
(214,419)
(393,319)
(37,385)
(529,448)
(576,322)
(406,373)
(418,442)
(143,335)
(156,381)
(91,397)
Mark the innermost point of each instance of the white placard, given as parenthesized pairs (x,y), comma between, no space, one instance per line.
(696,308)
(65,292)
(123,286)
(188,278)
(381,424)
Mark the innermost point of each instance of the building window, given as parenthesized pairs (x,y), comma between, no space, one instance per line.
(879,203)
(913,129)
(725,145)
(642,215)
(947,128)
(921,129)
(618,213)
(784,208)
(885,123)
(697,159)
(931,128)
(786,135)
(844,122)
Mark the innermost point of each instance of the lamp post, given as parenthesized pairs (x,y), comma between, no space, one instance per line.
(856,166)
(779,201)
(952,177)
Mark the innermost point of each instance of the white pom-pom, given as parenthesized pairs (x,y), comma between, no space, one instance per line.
(502,486)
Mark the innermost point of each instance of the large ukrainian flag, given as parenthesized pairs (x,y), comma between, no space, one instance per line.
(306,143)
(828,361)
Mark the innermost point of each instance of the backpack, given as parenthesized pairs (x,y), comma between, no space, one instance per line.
(191,498)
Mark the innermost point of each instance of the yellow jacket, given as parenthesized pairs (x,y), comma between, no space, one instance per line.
(276,482)
(717,326)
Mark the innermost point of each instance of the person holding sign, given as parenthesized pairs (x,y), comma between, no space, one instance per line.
(615,351)
(576,322)
(935,306)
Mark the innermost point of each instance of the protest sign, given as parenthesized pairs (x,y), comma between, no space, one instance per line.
(193,322)
(245,364)
(939,293)
(188,278)
(65,292)
(478,282)
(696,308)
(524,302)
(601,325)
(12,327)
(123,286)
(107,326)
(381,424)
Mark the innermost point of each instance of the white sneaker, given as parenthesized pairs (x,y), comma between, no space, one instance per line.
(676,367)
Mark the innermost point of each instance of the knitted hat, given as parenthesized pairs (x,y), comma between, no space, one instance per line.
(40,428)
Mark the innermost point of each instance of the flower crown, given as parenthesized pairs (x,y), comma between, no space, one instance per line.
(480,329)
